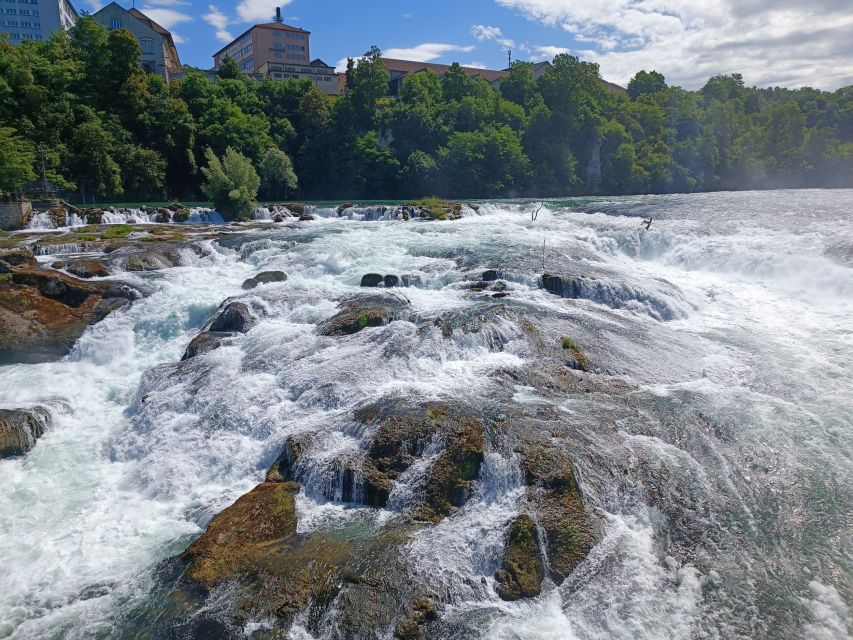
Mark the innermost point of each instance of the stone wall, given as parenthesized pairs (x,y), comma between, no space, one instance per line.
(13,215)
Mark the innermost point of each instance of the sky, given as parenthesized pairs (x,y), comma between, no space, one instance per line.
(788,43)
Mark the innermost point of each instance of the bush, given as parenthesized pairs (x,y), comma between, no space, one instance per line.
(277,175)
(117,231)
(232,184)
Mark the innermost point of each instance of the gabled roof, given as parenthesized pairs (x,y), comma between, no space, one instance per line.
(136,13)
(277,26)
(319,63)
(412,66)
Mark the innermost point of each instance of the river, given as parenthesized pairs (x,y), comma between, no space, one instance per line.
(720,470)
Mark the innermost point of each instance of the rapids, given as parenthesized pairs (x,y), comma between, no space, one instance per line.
(721,468)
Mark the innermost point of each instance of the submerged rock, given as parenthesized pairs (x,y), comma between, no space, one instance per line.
(265,277)
(522,570)
(361,313)
(20,428)
(205,342)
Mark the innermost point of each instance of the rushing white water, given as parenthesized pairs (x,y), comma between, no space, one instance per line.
(737,529)
(41,221)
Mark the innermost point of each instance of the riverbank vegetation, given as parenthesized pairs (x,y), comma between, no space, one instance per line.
(78,111)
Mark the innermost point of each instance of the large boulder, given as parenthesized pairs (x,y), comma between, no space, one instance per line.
(265,277)
(522,570)
(20,428)
(372,280)
(235,317)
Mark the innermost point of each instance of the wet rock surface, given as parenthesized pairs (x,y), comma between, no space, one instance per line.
(522,569)
(361,313)
(265,277)
(20,428)
(205,342)
(236,317)
(43,312)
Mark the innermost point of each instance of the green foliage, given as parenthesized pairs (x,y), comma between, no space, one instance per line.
(278,180)
(117,231)
(79,108)
(646,83)
(16,161)
(231,184)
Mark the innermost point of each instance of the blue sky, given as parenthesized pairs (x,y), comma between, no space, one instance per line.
(772,42)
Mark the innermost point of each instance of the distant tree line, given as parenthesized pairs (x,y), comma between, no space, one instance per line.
(78,110)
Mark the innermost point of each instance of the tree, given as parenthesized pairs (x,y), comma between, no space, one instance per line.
(278,180)
(92,163)
(519,86)
(229,70)
(646,83)
(231,183)
(16,161)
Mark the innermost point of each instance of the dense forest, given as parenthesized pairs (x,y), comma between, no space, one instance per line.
(79,110)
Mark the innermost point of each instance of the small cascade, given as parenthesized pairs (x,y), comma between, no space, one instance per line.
(62,248)
(41,221)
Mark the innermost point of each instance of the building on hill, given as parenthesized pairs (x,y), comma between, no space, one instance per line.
(159,54)
(273,42)
(399,69)
(35,19)
(324,77)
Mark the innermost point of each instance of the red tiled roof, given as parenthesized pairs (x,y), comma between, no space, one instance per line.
(411,66)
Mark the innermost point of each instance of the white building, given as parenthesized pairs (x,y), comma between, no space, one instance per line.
(35,19)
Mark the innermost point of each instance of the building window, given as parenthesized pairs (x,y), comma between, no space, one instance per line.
(147,45)
(116,24)
(277,55)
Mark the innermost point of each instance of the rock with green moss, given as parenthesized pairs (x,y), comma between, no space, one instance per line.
(240,536)
(577,358)
(570,532)
(522,570)
(360,313)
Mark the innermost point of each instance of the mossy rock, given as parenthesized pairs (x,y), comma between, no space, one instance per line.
(570,532)
(240,536)
(579,359)
(522,570)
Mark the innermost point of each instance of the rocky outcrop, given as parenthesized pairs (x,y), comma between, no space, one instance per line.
(43,312)
(265,277)
(84,269)
(20,428)
(522,570)
(151,256)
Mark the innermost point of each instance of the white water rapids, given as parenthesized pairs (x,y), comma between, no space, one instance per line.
(737,308)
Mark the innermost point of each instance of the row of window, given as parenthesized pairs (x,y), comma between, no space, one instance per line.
(19,1)
(248,65)
(23,23)
(295,76)
(24,36)
(24,12)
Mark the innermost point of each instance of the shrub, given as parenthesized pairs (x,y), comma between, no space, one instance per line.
(231,183)
(117,231)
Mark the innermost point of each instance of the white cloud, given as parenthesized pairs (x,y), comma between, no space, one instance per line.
(426,52)
(482,33)
(475,65)
(787,42)
(219,21)
(258,10)
(166,18)
(547,52)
